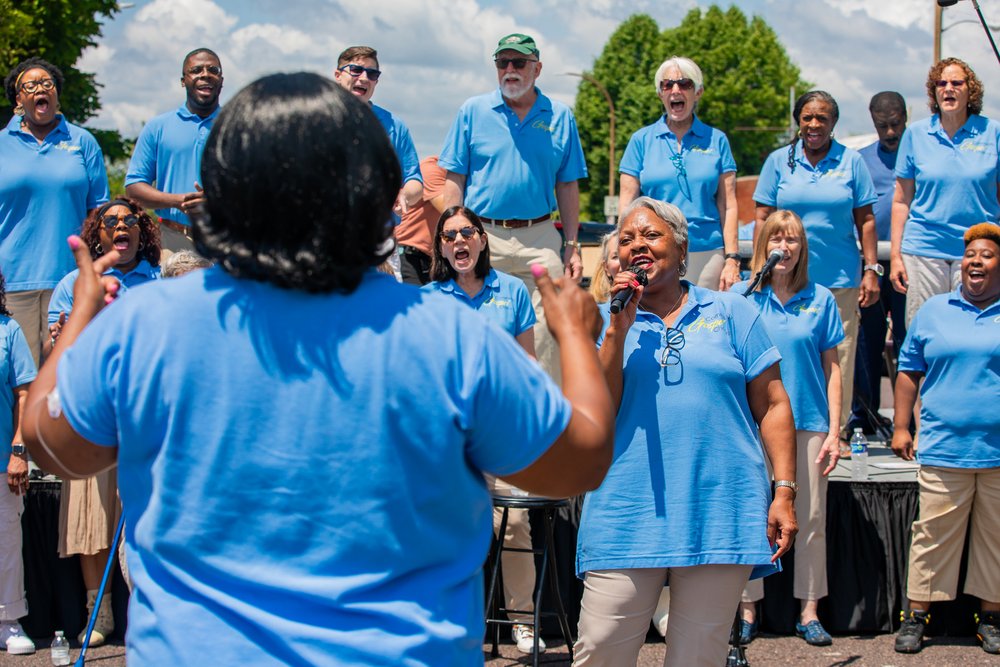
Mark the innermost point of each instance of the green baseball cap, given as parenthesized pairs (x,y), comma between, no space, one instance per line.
(517,42)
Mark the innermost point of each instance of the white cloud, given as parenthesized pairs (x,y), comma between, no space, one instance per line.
(896,13)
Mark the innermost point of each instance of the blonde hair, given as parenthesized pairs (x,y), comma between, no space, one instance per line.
(786,221)
(600,282)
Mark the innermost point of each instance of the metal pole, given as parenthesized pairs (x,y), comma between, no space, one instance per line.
(989,35)
(937,32)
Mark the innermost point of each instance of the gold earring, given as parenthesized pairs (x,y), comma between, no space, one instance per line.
(19,109)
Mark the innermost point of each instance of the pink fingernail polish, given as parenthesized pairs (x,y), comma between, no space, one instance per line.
(537,270)
(74,242)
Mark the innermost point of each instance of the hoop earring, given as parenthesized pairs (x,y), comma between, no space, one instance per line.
(683,269)
(98,248)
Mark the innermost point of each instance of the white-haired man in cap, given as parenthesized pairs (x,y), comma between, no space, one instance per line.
(514,157)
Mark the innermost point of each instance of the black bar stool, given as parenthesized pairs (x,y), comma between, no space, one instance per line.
(494,609)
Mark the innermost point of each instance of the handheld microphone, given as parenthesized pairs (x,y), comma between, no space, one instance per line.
(619,300)
(772,261)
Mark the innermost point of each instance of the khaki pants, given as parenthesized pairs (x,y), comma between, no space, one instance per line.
(518,568)
(927,276)
(809,582)
(850,317)
(949,497)
(13,603)
(513,251)
(618,604)
(31,311)
(705,268)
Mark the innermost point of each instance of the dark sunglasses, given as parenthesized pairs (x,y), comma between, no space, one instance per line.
(452,234)
(955,83)
(356,70)
(31,86)
(111,221)
(518,63)
(674,340)
(214,70)
(685,84)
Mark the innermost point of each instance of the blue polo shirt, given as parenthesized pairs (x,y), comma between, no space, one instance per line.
(957,348)
(705,156)
(288,499)
(402,143)
(688,484)
(825,197)
(503,299)
(46,190)
(17,367)
(881,166)
(511,167)
(955,183)
(167,155)
(62,295)
(802,329)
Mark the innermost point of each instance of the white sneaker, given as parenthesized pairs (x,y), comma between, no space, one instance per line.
(524,637)
(14,640)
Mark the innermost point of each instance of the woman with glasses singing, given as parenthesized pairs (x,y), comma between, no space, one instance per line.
(460,267)
(687,499)
(801,318)
(89,508)
(681,160)
(828,186)
(51,175)
(946,181)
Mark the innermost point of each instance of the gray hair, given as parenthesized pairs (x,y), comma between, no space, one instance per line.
(668,213)
(606,244)
(181,262)
(687,67)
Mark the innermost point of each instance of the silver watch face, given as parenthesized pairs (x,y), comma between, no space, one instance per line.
(877,268)
(17,449)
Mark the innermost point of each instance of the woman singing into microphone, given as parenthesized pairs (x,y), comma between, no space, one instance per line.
(802,319)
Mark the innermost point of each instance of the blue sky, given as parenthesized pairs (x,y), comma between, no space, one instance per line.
(436,53)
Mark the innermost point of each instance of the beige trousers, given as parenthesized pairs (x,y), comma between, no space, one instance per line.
(705,268)
(926,277)
(850,316)
(513,251)
(949,498)
(618,604)
(809,581)
(31,312)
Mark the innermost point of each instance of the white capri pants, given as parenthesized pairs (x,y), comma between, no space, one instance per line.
(618,605)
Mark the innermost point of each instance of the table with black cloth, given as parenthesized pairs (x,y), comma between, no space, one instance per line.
(868,540)
(57,597)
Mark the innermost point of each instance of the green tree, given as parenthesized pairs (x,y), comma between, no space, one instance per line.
(747,79)
(58,31)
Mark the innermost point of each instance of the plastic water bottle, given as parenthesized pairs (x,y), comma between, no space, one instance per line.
(859,456)
(60,649)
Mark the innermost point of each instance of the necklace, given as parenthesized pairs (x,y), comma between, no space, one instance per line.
(673,307)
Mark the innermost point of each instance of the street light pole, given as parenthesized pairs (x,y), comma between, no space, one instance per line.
(611,136)
(938,9)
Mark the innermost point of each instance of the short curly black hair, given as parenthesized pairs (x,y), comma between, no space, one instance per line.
(149,232)
(300,180)
(10,82)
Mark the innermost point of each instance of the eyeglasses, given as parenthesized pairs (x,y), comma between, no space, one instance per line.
(31,86)
(356,70)
(674,341)
(955,83)
(518,63)
(685,84)
(452,234)
(111,221)
(195,70)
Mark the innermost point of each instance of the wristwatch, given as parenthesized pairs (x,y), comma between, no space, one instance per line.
(574,243)
(18,449)
(788,484)
(733,255)
(877,268)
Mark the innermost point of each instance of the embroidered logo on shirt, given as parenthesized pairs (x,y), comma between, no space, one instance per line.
(840,174)
(701,324)
(498,303)
(802,308)
(67,146)
(706,151)
(540,125)
(973,147)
